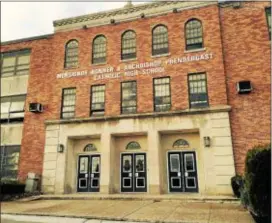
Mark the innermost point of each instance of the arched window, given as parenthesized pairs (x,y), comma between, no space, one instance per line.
(71,54)
(90,147)
(99,49)
(160,40)
(133,145)
(193,34)
(180,144)
(128,45)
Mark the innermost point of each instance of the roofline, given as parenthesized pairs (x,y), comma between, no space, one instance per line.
(46,36)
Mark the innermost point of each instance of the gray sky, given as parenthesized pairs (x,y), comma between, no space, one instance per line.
(26,19)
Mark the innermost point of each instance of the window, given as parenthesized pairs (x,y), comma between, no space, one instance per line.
(71,54)
(198,90)
(9,160)
(15,63)
(162,96)
(12,108)
(99,50)
(98,100)
(68,103)
(128,45)
(129,97)
(159,40)
(193,34)
(268,17)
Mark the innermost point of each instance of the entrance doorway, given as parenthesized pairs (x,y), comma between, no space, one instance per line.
(88,179)
(182,172)
(133,172)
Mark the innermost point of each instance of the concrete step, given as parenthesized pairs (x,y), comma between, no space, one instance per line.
(181,197)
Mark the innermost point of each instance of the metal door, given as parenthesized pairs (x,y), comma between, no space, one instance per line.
(182,172)
(133,172)
(88,173)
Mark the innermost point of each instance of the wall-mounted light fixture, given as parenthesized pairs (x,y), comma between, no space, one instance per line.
(142,15)
(112,21)
(84,27)
(175,10)
(60,148)
(207,141)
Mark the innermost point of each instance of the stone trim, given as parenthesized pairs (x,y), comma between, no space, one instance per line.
(125,14)
(213,109)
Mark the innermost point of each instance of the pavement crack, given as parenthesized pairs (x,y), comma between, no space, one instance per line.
(137,209)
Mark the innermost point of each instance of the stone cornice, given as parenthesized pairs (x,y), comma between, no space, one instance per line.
(26,39)
(195,111)
(125,14)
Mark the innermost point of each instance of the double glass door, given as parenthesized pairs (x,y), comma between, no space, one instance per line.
(182,172)
(88,179)
(133,172)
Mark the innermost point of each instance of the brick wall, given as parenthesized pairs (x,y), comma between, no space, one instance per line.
(247,53)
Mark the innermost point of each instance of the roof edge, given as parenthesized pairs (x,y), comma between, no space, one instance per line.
(26,39)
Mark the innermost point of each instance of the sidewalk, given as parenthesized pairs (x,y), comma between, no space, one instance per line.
(133,210)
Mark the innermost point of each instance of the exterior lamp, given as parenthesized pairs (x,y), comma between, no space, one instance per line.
(60,148)
(175,10)
(112,21)
(207,141)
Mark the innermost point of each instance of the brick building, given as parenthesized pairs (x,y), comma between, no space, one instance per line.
(158,98)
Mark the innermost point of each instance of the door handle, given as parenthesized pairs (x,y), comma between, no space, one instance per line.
(136,174)
(86,175)
(179,174)
(186,174)
(130,174)
(92,175)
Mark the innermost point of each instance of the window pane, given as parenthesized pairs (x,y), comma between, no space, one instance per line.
(68,103)
(162,97)
(98,99)
(24,59)
(159,40)
(9,61)
(99,50)
(71,58)
(128,45)
(198,90)
(193,34)
(129,99)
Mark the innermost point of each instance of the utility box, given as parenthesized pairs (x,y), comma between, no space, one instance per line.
(32,182)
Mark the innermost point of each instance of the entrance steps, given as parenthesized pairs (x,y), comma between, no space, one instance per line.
(156,198)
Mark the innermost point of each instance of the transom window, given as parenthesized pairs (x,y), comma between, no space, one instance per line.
(198,90)
(99,50)
(129,97)
(71,54)
(98,100)
(128,45)
(68,103)
(15,63)
(133,145)
(162,96)
(9,159)
(12,108)
(193,34)
(160,40)
(268,18)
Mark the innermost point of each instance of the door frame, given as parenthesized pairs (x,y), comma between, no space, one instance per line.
(77,157)
(120,168)
(179,151)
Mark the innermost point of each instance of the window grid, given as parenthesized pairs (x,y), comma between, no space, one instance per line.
(162,95)
(71,54)
(160,40)
(129,97)
(128,45)
(99,50)
(268,18)
(98,100)
(9,160)
(15,63)
(12,108)
(193,30)
(198,90)
(68,103)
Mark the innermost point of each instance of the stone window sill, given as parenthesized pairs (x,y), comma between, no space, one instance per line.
(129,60)
(196,50)
(161,55)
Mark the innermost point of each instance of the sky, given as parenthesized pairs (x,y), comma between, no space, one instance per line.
(28,19)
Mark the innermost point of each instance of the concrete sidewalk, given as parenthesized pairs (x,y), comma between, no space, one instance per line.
(133,210)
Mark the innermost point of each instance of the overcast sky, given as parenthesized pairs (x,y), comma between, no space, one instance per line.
(26,19)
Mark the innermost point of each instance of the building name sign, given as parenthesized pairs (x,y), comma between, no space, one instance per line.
(134,69)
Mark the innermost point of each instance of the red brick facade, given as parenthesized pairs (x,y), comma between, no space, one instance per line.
(245,54)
